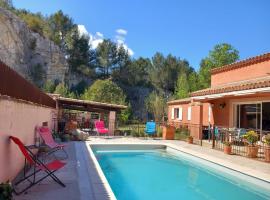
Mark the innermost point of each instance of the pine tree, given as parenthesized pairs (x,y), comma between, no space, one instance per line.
(182,87)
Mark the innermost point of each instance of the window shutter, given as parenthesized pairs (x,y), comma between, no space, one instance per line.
(189,113)
(209,112)
(172,114)
(180,113)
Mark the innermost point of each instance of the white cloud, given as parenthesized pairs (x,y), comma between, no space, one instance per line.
(98,37)
(99,34)
(82,30)
(121,31)
(94,39)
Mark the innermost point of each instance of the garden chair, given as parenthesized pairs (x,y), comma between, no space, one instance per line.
(47,137)
(100,128)
(150,128)
(49,168)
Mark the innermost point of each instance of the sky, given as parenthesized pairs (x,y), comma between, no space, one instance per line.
(188,29)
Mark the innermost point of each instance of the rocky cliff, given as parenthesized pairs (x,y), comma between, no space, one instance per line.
(33,56)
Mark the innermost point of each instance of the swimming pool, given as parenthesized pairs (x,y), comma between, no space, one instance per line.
(158,172)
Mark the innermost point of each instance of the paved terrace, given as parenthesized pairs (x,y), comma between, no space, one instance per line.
(83,182)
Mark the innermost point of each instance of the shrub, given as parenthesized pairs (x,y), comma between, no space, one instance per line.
(266,139)
(227,143)
(251,137)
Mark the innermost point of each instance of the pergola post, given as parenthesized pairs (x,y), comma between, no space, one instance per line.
(112,116)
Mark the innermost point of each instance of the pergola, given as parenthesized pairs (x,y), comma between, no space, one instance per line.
(89,106)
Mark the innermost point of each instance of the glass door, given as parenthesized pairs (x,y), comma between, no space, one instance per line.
(248,116)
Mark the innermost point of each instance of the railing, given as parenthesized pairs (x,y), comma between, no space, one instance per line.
(239,145)
(135,128)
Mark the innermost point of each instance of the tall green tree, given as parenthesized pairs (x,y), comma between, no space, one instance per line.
(193,81)
(110,57)
(182,86)
(60,25)
(164,72)
(134,73)
(105,91)
(155,104)
(80,56)
(222,54)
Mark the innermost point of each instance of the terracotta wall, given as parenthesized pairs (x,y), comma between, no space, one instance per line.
(184,113)
(244,73)
(19,119)
(221,112)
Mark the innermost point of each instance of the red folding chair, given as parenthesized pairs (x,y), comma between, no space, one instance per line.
(39,166)
(46,135)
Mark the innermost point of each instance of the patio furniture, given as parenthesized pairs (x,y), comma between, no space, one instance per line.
(100,128)
(39,166)
(46,135)
(150,128)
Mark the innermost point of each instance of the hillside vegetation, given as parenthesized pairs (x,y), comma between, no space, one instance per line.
(109,74)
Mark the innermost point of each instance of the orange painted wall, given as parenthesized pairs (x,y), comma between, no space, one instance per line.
(221,116)
(185,106)
(184,113)
(244,73)
(19,119)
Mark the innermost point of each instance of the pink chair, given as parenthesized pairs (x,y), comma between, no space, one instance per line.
(46,135)
(100,128)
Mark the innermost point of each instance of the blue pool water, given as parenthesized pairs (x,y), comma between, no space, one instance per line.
(158,174)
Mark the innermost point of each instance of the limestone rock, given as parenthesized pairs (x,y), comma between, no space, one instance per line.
(34,57)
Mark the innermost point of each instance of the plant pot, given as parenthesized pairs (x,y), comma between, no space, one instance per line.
(168,132)
(227,149)
(190,140)
(252,151)
(267,153)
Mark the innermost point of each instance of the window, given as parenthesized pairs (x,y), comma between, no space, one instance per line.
(176,113)
(189,113)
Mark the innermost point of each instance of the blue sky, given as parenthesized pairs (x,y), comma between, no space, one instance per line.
(185,28)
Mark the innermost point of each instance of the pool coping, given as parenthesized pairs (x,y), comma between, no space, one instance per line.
(100,173)
(235,167)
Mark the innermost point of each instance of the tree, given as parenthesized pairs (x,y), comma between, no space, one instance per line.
(182,87)
(193,81)
(105,91)
(49,86)
(155,104)
(79,53)
(7,4)
(110,57)
(60,25)
(62,89)
(222,54)
(164,72)
(134,73)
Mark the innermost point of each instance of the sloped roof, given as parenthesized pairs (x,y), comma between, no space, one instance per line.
(236,86)
(242,63)
(186,100)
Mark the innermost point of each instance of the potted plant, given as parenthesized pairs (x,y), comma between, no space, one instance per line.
(266,141)
(252,149)
(227,147)
(190,139)
(168,132)
(6,191)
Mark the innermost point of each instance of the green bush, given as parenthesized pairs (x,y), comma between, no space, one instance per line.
(181,133)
